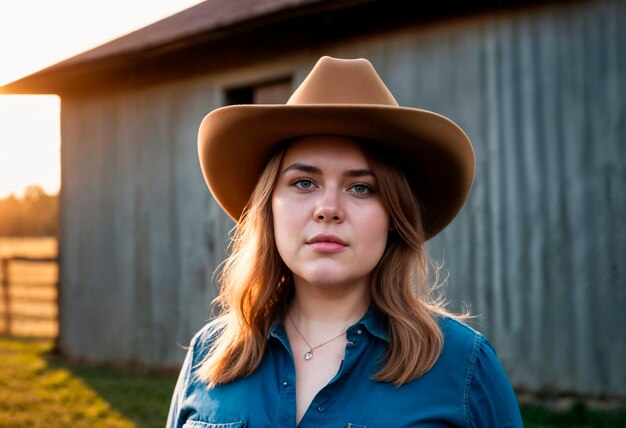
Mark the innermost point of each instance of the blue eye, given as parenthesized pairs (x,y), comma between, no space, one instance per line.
(361,189)
(303,184)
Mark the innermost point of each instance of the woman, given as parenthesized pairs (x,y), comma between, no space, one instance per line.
(328,317)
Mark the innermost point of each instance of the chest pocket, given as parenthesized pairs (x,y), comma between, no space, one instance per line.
(198,424)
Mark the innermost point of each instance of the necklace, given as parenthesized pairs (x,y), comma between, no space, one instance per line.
(309,354)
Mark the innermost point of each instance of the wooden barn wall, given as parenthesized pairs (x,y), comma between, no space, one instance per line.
(537,252)
(140,233)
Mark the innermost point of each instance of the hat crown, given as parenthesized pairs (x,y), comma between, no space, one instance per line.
(342,81)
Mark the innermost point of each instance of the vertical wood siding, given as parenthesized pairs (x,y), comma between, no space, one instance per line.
(538,251)
(141,236)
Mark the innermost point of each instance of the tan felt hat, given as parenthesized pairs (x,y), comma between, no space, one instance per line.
(341,97)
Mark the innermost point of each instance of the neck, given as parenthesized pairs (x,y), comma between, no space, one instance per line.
(320,310)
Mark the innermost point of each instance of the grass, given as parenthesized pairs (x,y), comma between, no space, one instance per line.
(37,390)
(579,415)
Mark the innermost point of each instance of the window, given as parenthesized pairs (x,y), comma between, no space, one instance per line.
(274,92)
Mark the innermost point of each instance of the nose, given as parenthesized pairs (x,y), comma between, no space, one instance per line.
(329,207)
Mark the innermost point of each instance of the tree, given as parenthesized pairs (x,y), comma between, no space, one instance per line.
(34,214)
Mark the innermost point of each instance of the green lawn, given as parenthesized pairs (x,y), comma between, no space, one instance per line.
(577,416)
(37,390)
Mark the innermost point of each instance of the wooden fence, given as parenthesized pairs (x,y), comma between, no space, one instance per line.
(29,296)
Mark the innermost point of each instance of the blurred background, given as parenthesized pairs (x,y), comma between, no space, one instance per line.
(109,237)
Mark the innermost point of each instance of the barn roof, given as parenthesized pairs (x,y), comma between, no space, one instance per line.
(220,33)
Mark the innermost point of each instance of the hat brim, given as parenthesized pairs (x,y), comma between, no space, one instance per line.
(235,143)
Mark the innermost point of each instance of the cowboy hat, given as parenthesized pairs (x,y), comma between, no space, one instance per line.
(341,97)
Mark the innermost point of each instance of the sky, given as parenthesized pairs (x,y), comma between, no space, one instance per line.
(33,35)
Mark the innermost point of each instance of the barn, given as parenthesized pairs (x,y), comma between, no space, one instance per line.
(538,252)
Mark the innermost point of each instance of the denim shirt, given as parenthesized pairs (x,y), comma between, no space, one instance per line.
(467,386)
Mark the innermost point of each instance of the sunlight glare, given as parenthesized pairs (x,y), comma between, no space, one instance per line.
(35,34)
(29,143)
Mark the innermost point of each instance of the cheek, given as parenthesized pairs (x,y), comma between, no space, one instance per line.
(375,230)
(277,221)
(284,225)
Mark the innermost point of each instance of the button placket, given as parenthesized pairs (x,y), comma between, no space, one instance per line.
(286,380)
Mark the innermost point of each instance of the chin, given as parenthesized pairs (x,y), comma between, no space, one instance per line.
(327,282)
(328,279)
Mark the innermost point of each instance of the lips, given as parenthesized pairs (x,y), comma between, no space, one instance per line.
(334,239)
(325,243)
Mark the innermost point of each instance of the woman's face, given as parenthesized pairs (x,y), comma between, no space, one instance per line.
(330,224)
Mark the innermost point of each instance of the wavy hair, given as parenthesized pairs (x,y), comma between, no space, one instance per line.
(256,286)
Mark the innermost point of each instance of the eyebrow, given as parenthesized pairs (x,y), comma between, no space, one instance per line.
(303,167)
(315,170)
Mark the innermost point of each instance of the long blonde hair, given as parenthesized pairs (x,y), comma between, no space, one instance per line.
(256,286)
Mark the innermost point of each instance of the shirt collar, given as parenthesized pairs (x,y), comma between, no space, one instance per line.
(277,329)
(373,321)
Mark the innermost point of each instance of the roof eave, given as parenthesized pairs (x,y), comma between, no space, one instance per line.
(91,66)
(300,24)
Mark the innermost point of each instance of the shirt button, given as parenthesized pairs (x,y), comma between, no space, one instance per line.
(285,383)
(359,332)
(320,409)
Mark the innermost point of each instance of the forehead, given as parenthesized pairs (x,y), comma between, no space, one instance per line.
(335,150)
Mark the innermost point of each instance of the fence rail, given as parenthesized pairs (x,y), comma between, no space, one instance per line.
(29,296)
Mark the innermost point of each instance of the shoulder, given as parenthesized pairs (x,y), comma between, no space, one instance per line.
(457,360)
(198,348)
(468,349)
(460,339)
(488,397)
(203,340)
(209,331)
(455,329)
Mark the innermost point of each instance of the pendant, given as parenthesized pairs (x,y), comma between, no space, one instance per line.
(308,355)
